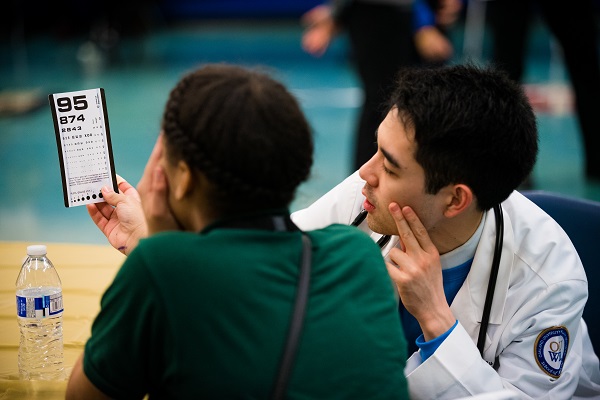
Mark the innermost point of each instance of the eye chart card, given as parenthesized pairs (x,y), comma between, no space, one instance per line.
(84,147)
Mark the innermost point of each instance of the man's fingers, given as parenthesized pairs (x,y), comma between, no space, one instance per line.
(393,271)
(404,231)
(411,231)
(418,229)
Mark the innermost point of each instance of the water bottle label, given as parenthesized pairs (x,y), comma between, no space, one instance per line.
(39,307)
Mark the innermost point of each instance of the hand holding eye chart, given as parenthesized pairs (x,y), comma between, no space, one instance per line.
(84,146)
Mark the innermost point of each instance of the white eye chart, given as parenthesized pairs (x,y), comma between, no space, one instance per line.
(84,147)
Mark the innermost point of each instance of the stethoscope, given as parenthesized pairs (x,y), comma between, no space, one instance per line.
(487,307)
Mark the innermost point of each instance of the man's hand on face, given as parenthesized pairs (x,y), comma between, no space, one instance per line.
(416,269)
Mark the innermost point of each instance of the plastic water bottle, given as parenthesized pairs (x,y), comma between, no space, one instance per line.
(39,313)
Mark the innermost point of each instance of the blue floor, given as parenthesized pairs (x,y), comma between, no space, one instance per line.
(137,84)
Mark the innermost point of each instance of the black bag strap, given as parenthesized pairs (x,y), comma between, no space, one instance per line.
(297,323)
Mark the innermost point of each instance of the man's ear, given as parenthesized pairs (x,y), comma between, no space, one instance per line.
(184,182)
(460,198)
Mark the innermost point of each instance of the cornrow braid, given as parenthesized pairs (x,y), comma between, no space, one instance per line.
(244,131)
(191,152)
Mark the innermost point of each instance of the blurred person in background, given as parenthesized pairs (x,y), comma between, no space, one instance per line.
(384,36)
(574,26)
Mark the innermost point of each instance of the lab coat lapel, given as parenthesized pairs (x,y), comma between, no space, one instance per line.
(469,301)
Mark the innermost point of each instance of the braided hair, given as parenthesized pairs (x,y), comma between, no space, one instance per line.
(244,131)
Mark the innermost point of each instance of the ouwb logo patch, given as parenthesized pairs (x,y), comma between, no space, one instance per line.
(551,348)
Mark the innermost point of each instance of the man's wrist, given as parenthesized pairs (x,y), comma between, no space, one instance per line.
(427,348)
(437,326)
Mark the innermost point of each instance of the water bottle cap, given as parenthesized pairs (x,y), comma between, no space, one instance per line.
(36,250)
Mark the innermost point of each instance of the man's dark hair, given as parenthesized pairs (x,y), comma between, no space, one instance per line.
(472,125)
(244,131)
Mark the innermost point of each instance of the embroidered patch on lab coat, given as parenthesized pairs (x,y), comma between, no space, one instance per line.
(551,348)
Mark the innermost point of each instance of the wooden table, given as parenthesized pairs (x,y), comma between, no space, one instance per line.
(85,272)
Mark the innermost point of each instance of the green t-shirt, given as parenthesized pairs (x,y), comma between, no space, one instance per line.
(206,316)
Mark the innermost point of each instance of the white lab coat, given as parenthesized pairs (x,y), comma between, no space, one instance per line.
(541,284)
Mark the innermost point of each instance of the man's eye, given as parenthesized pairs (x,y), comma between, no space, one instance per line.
(387,171)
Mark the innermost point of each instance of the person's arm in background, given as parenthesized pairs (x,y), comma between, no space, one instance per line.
(430,41)
(447,12)
(322,25)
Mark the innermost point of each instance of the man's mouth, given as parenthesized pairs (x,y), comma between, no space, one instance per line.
(367,205)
